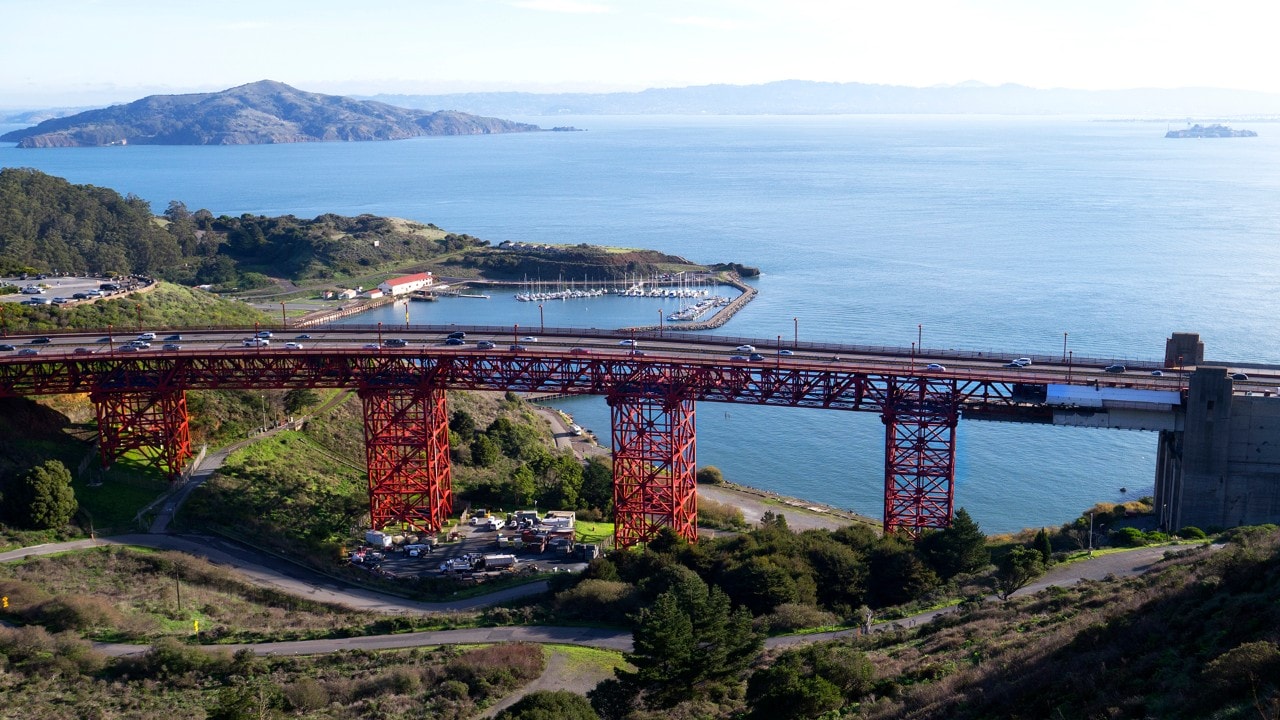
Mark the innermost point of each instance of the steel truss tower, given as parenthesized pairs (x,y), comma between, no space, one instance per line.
(920,418)
(406,434)
(653,466)
(154,423)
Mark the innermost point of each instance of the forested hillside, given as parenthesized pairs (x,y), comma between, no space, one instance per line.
(50,225)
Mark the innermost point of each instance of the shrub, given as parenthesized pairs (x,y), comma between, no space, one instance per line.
(794,616)
(1129,537)
(550,705)
(306,695)
(81,613)
(607,600)
(1192,532)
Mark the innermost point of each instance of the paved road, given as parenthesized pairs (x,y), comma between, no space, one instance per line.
(326,590)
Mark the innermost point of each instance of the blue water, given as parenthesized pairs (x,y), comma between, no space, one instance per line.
(975,232)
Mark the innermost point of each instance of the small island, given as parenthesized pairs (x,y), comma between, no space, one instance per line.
(1209,131)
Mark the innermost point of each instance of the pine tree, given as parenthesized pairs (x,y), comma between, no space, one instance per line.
(47,496)
(961,548)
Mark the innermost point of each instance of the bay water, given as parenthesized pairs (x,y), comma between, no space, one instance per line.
(981,233)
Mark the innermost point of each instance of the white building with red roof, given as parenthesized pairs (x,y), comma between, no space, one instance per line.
(406,284)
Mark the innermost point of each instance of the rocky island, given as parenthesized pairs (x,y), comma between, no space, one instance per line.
(264,112)
(1209,131)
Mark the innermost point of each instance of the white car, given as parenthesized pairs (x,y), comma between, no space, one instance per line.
(935,366)
(785,352)
(627,342)
(528,338)
(292,346)
(746,348)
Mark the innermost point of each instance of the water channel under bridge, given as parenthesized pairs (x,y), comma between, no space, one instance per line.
(653,382)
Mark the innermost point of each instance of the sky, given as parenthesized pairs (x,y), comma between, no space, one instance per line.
(83,52)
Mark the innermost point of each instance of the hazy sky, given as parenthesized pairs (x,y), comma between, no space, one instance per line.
(94,51)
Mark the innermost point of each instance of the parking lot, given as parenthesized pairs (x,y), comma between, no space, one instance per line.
(67,288)
(396,562)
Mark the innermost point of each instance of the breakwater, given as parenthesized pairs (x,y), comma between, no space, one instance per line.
(722,316)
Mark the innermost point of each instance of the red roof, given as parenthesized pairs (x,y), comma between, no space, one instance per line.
(406,279)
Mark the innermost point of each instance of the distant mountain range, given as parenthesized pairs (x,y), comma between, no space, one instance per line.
(799,97)
(258,113)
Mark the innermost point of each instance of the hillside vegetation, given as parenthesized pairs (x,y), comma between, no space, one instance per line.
(50,225)
(253,114)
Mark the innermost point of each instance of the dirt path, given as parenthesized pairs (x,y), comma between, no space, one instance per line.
(563,672)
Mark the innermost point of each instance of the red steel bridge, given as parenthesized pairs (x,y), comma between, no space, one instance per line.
(652,382)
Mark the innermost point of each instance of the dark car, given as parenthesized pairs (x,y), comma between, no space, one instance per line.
(636,353)
(1239,376)
(6,347)
(39,341)
(484,345)
(172,346)
(303,336)
(1117,368)
(28,351)
(457,334)
(395,342)
(755,357)
(517,348)
(173,338)
(454,341)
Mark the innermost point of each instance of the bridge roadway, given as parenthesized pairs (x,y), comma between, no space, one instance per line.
(652,380)
(966,367)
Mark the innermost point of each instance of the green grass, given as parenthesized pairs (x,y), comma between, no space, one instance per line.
(593,532)
(126,487)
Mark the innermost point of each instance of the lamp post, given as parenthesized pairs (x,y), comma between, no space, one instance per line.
(920,336)
(1064,346)
(1070,357)
(913,357)
(111,343)
(795,341)
(777,357)
(660,322)
(542,323)
(379,336)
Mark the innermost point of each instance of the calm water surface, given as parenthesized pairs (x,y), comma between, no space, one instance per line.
(979,232)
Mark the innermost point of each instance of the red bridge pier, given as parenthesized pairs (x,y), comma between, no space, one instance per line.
(406,434)
(154,423)
(653,466)
(920,416)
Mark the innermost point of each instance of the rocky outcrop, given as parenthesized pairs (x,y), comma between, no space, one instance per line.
(260,113)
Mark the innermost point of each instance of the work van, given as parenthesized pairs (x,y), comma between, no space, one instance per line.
(256,342)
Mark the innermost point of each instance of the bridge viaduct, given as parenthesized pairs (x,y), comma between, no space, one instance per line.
(1218,461)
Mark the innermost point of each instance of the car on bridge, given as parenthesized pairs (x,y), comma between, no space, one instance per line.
(303,336)
(172,346)
(396,342)
(255,342)
(935,366)
(738,358)
(454,341)
(83,351)
(579,351)
(173,338)
(785,352)
(147,336)
(1116,368)
(484,345)
(264,334)
(6,347)
(1239,376)
(292,346)
(457,334)
(1012,364)
(755,357)
(517,348)
(745,348)
(28,351)
(636,353)
(38,341)
(370,346)
(528,338)
(627,342)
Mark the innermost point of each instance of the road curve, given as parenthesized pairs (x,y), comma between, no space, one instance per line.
(1132,562)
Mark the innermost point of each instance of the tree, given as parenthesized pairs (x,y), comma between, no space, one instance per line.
(1045,546)
(550,705)
(597,485)
(45,498)
(484,452)
(297,400)
(960,548)
(688,639)
(710,475)
(1017,569)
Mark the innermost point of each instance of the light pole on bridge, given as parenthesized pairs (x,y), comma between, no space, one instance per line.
(542,323)
(795,341)
(1064,346)
(660,322)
